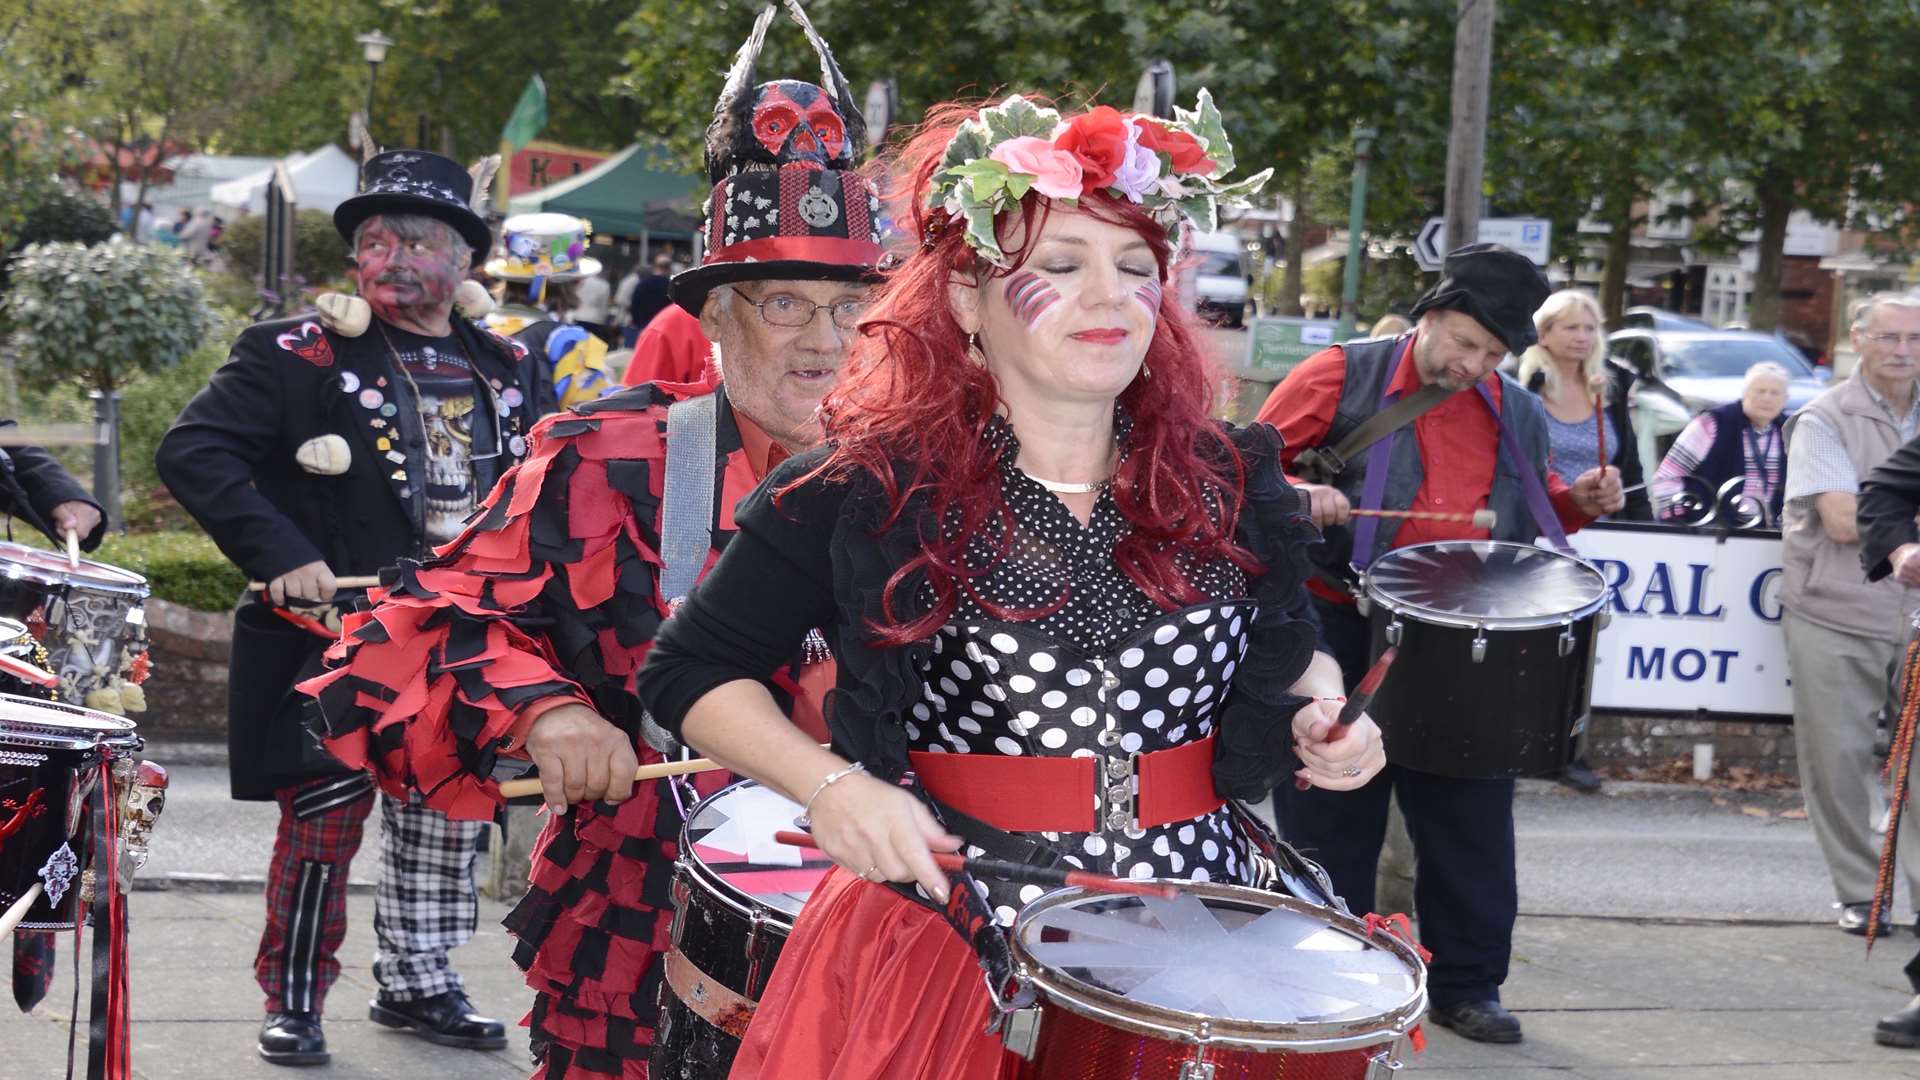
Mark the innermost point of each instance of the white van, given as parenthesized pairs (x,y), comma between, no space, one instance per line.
(1220,277)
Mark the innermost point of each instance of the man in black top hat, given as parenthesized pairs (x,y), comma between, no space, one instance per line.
(1455,458)
(333,445)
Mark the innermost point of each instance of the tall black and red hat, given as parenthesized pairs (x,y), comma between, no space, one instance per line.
(788,200)
(416,182)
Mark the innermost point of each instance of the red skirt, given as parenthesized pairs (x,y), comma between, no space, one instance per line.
(871,986)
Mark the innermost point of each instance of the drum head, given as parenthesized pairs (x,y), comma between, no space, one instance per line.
(1487,583)
(52,568)
(59,726)
(15,638)
(731,836)
(1249,963)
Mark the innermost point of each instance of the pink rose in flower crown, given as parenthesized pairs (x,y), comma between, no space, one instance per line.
(1057,174)
(1184,149)
(1139,171)
(1098,138)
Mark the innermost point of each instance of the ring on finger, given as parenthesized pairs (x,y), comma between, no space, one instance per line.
(870,872)
(1351,772)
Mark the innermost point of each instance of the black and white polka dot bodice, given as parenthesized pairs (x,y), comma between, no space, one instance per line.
(1006,688)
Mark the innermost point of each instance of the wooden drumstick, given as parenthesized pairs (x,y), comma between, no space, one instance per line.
(1600,428)
(73,549)
(1357,703)
(953,862)
(19,910)
(515,789)
(367,582)
(26,672)
(1479,519)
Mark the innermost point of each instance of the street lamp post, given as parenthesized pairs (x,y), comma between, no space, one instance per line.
(1356,220)
(373,46)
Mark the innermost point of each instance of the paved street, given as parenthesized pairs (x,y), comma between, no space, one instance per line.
(1664,936)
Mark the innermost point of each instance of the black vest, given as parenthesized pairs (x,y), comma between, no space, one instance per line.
(1368,363)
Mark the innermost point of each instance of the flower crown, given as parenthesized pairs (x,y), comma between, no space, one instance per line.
(1171,167)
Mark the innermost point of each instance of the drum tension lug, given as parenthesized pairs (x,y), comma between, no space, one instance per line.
(1480,645)
(1197,1070)
(1020,1031)
(1383,1063)
(1393,632)
(1567,641)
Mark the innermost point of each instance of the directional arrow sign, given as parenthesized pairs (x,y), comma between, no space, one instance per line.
(1426,248)
(1532,237)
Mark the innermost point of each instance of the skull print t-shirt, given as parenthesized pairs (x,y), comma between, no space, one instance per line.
(442,377)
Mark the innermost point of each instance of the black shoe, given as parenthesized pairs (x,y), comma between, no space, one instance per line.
(1853,920)
(293,1038)
(1481,1021)
(1581,777)
(447,1019)
(1900,1029)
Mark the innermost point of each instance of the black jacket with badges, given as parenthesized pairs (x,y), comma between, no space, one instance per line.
(233,460)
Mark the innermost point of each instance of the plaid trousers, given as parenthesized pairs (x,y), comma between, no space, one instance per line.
(424,904)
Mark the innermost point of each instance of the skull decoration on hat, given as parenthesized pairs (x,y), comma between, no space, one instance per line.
(1171,167)
(788,202)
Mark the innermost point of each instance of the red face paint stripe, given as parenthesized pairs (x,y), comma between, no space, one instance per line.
(1030,295)
(1150,294)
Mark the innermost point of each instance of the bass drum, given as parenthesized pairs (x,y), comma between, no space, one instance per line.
(736,893)
(51,758)
(1496,647)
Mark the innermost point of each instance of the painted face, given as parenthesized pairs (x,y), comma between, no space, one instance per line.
(1455,351)
(1075,321)
(400,277)
(778,374)
(796,121)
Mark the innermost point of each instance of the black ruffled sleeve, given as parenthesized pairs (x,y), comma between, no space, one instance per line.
(1888,498)
(1254,746)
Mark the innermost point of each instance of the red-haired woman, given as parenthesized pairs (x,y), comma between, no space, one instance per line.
(1039,564)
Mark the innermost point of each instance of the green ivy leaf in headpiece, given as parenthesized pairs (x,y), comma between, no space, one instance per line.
(1017,118)
(1204,123)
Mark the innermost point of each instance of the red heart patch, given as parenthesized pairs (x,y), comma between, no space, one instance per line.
(308,342)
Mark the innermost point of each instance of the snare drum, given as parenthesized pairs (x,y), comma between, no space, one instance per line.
(1222,981)
(736,893)
(50,758)
(91,618)
(1496,647)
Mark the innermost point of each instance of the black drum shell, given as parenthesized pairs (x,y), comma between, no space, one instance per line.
(1515,713)
(736,942)
(28,847)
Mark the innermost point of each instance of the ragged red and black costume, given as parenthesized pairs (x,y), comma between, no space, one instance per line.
(550,596)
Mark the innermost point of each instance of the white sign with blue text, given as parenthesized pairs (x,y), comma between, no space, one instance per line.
(1696,621)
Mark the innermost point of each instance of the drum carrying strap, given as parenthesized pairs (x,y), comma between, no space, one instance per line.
(1538,504)
(1375,435)
(686,514)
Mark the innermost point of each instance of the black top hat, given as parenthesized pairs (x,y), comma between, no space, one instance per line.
(787,203)
(1497,285)
(416,182)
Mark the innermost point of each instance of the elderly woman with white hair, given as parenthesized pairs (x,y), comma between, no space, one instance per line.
(1569,369)
(1741,439)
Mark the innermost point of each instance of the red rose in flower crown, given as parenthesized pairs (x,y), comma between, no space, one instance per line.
(1187,154)
(1098,139)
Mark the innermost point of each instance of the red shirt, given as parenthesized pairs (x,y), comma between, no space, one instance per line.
(672,349)
(1459,440)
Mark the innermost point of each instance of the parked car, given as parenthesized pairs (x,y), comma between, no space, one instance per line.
(1642,317)
(1679,374)
(1220,277)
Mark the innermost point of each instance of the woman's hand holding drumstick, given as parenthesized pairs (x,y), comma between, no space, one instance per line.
(1334,756)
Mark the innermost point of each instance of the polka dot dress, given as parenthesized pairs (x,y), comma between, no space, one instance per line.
(1107,675)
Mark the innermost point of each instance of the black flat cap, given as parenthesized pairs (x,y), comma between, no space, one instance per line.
(1497,285)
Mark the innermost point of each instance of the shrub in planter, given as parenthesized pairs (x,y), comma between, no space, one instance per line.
(100,315)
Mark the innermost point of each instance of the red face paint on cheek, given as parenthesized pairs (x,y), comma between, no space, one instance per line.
(1150,295)
(1029,296)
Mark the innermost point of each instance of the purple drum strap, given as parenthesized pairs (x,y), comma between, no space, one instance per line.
(1379,460)
(1538,504)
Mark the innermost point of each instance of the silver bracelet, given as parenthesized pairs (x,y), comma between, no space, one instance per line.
(805,820)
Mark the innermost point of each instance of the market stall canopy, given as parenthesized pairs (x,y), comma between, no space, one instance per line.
(641,191)
(322,180)
(194,178)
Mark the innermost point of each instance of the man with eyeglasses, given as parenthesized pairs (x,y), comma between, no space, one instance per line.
(522,638)
(1843,633)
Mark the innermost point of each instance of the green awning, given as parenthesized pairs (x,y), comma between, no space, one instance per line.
(639,190)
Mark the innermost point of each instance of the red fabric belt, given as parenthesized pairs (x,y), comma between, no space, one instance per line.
(1062,794)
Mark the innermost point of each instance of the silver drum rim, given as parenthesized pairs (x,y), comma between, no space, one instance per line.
(1317,1036)
(56,725)
(1377,596)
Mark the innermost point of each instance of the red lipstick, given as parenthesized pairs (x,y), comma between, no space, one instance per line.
(1104,336)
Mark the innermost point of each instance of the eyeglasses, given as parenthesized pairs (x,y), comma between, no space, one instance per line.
(783,309)
(1894,339)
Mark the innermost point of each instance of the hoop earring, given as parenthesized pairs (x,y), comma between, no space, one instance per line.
(974,354)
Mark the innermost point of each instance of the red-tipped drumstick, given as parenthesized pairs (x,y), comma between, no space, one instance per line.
(1357,703)
(1600,428)
(953,862)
